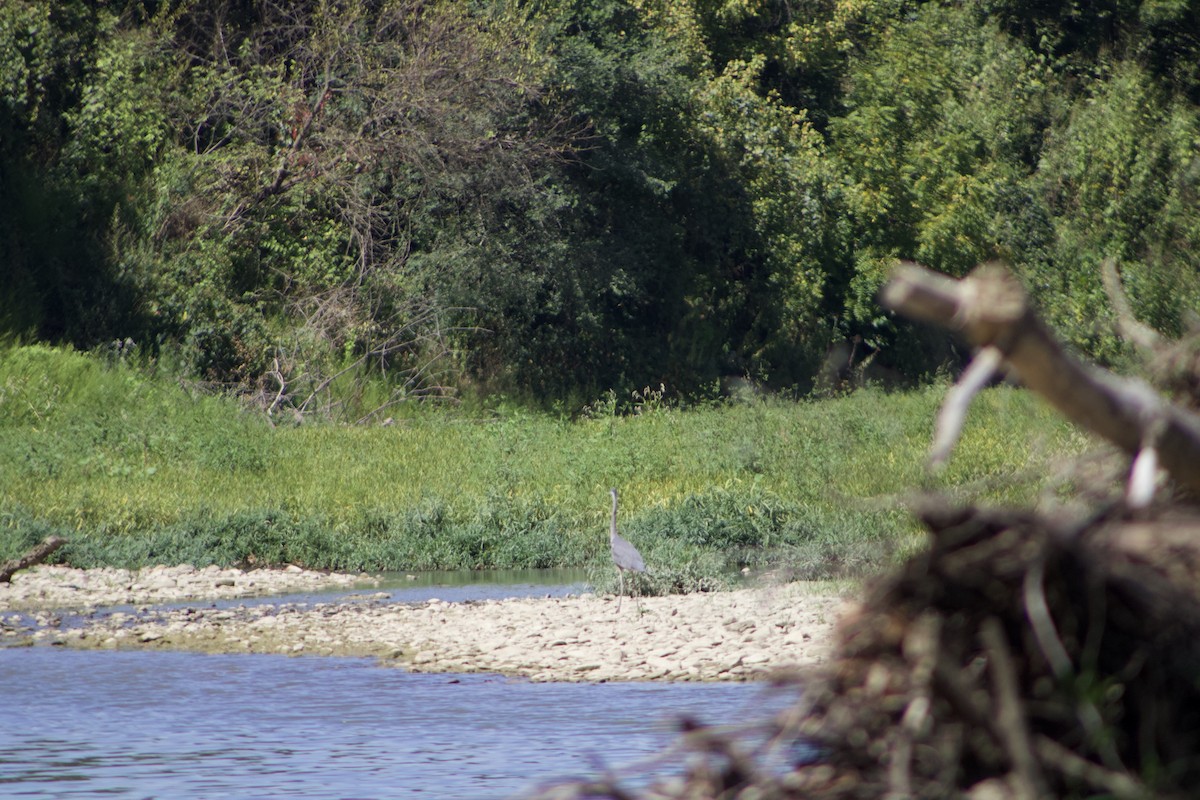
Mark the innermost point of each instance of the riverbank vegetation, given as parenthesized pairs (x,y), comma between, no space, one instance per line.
(555,199)
(589,223)
(133,469)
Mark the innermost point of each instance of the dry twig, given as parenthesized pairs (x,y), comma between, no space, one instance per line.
(1010,715)
(36,555)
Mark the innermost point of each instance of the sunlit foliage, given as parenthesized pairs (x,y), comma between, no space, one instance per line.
(296,201)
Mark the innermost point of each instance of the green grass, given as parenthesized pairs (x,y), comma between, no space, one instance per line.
(134,470)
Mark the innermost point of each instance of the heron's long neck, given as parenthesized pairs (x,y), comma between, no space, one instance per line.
(612,529)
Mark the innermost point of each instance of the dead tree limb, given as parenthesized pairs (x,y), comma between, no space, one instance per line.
(954,411)
(1010,717)
(991,309)
(1142,336)
(35,556)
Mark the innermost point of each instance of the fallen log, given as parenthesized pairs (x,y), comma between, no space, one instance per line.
(35,556)
(991,309)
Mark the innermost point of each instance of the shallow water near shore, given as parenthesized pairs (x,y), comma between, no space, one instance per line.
(451,586)
(494,584)
(170,724)
(84,723)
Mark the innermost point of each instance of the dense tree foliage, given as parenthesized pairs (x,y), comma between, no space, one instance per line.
(298,200)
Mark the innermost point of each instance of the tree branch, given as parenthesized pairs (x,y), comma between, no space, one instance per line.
(1010,716)
(991,308)
(35,556)
(954,411)
(1131,329)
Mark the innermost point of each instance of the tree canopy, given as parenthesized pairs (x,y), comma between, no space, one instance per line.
(554,199)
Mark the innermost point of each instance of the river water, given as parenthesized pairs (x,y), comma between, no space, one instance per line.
(143,724)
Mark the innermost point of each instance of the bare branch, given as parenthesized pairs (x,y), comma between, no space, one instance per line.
(1037,611)
(954,409)
(991,309)
(1010,717)
(1131,329)
(36,555)
(1143,478)
(1066,762)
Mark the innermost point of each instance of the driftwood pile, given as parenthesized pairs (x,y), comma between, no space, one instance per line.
(1021,655)
(1027,656)
(1016,658)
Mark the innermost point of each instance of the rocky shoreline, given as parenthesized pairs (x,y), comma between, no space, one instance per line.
(51,586)
(738,635)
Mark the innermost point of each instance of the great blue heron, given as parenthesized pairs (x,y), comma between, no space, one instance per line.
(625,555)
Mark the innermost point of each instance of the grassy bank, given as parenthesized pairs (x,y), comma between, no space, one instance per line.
(135,470)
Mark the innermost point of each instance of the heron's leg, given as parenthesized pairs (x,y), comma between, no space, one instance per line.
(621,589)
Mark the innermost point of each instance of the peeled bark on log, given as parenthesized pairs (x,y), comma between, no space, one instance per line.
(991,309)
(35,556)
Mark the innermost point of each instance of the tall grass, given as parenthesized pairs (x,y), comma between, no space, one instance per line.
(133,469)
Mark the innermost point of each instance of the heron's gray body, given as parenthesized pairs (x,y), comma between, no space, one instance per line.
(624,554)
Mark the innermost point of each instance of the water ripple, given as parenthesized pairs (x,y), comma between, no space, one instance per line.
(181,725)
